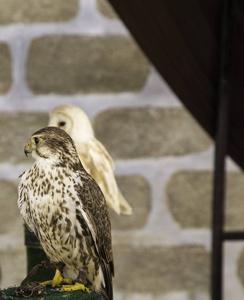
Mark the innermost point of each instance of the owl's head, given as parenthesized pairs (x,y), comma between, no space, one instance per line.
(73,120)
(53,145)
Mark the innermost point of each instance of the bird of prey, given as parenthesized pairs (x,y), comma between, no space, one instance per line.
(93,155)
(65,208)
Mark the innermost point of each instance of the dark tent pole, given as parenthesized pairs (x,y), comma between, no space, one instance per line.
(220,152)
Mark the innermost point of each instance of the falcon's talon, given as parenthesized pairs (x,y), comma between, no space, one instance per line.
(57,280)
(74,287)
(82,278)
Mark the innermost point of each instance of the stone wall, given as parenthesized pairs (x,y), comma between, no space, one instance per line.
(55,52)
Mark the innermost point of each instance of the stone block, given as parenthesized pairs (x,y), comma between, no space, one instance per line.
(136,191)
(9,212)
(158,270)
(240,268)
(234,209)
(17,128)
(31,11)
(189,198)
(5,70)
(149,132)
(13,266)
(85,64)
(105,8)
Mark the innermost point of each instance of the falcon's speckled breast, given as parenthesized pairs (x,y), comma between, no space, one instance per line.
(62,204)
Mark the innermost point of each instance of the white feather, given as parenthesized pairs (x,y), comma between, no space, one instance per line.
(93,155)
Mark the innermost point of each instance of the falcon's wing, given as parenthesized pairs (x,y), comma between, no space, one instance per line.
(99,164)
(23,204)
(95,213)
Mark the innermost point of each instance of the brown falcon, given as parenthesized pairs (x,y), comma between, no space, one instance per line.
(65,208)
(93,155)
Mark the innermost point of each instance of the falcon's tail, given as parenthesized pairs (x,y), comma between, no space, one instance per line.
(107,290)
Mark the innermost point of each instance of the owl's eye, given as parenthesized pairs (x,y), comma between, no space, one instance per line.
(37,141)
(61,124)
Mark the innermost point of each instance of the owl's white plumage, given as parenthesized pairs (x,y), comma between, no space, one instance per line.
(95,158)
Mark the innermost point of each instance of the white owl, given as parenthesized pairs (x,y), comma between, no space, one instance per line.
(93,155)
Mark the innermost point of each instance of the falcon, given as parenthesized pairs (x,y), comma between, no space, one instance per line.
(93,155)
(65,208)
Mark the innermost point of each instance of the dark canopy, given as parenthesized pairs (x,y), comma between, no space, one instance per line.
(181,38)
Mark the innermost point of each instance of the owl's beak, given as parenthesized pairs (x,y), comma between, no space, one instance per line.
(28,149)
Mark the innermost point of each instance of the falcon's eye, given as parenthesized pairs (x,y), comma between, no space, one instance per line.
(37,141)
(61,124)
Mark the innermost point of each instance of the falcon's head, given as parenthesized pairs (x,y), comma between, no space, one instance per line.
(71,119)
(52,144)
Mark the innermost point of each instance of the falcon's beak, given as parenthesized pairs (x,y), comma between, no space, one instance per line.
(28,148)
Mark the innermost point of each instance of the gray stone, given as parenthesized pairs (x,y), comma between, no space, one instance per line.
(9,211)
(149,132)
(189,198)
(240,268)
(234,209)
(105,8)
(160,270)
(13,266)
(136,191)
(85,64)
(30,11)
(5,70)
(17,128)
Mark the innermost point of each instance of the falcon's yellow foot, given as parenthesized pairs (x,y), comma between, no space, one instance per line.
(74,287)
(57,280)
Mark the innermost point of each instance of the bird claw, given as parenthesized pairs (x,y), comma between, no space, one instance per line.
(74,287)
(66,284)
(82,278)
(57,280)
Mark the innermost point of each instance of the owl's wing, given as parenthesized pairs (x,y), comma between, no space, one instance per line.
(125,207)
(99,164)
(94,212)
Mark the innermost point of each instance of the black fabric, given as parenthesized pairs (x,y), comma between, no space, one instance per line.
(181,38)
